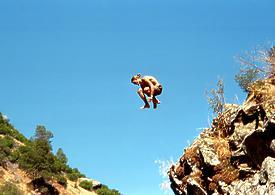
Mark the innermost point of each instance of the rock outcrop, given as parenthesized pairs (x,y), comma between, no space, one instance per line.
(236,155)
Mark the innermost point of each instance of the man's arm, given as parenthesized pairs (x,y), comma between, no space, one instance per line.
(150,85)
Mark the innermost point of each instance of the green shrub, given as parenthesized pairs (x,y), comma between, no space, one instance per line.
(62,180)
(14,156)
(61,156)
(254,66)
(6,143)
(104,190)
(37,160)
(7,129)
(10,189)
(216,99)
(88,185)
(73,174)
(246,77)
(61,161)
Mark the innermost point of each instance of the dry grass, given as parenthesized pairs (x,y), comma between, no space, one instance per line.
(227,175)
(222,149)
(221,126)
(192,156)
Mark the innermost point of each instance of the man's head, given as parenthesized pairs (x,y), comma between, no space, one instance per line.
(136,79)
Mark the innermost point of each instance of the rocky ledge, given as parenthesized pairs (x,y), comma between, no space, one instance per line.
(236,155)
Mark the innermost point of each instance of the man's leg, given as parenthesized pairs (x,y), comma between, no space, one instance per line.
(155,102)
(157,91)
(155,105)
(142,96)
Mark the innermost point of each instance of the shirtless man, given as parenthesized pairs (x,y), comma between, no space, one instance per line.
(148,86)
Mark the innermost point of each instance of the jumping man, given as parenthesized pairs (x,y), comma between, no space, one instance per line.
(148,86)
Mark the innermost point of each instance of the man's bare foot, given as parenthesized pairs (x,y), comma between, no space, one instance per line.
(145,106)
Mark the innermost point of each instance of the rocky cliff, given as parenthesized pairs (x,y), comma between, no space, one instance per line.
(236,155)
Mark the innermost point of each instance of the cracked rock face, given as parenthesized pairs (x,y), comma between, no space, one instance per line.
(237,154)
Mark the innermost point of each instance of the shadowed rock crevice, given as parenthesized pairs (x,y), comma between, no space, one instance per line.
(42,187)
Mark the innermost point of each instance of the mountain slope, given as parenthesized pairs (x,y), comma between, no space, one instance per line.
(30,167)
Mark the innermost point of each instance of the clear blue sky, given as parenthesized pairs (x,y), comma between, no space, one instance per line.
(67,64)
